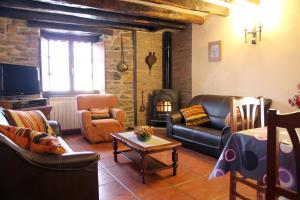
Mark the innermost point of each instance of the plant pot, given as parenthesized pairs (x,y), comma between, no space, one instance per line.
(143,138)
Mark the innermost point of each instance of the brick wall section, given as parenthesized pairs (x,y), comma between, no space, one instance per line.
(18,43)
(182,65)
(120,83)
(147,82)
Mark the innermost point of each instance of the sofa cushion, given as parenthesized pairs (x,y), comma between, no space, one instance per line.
(34,120)
(18,135)
(216,106)
(99,113)
(34,141)
(199,134)
(44,143)
(194,115)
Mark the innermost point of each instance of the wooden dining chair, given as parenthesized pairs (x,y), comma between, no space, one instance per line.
(290,122)
(244,114)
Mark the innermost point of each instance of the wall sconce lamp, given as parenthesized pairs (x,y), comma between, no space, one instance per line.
(254,34)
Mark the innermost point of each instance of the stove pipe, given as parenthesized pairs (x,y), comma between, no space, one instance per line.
(167,59)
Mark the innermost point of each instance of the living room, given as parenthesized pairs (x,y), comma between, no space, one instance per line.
(148,60)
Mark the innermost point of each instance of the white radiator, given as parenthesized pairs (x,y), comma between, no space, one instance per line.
(64,111)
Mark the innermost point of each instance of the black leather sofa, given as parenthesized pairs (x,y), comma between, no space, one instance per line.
(30,176)
(211,137)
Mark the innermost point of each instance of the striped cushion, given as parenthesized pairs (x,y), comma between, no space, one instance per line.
(44,143)
(18,135)
(99,113)
(34,120)
(34,141)
(194,115)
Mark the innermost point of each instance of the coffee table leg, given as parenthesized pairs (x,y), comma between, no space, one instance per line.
(115,148)
(144,166)
(174,159)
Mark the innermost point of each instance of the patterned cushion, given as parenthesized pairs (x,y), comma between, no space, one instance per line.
(18,135)
(99,113)
(32,140)
(227,119)
(34,120)
(44,143)
(194,115)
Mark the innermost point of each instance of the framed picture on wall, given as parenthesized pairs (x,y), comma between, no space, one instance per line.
(214,51)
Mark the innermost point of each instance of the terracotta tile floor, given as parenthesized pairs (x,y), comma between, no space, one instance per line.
(121,181)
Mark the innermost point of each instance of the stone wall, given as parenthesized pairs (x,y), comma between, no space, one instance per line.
(182,64)
(147,42)
(18,43)
(120,83)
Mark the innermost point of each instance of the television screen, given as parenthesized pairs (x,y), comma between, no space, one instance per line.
(19,80)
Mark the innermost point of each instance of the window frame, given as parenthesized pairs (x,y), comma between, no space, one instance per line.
(71,39)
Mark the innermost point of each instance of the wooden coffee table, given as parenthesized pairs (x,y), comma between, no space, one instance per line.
(139,152)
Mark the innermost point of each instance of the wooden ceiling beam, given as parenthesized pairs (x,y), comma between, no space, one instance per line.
(195,5)
(67,19)
(134,9)
(91,13)
(68,27)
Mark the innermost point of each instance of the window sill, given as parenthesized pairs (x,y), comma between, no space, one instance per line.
(68,94)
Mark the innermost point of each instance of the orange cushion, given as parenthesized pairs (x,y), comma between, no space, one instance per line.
(44,143)
(194,115)
(99,113)
(18,135)
(32,140)
(34,120)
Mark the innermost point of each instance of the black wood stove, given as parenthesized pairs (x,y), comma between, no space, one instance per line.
(164,100)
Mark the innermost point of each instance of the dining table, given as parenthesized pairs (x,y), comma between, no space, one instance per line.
(246,153)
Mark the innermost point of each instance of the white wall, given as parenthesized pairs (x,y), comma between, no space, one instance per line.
(270,69)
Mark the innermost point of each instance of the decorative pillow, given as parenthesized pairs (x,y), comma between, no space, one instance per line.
(18,135)
(99,113)
(194,115)
(34,120)
(228,117)
(32,140)
(44,143)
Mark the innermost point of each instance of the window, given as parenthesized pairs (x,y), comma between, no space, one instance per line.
(70,66)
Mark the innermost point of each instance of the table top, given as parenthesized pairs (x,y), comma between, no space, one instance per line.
(167,143)
(246,153)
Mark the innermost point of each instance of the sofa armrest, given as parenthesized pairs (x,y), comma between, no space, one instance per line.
(85,117)
(175,118)
(119,115)
(172,119)
(64,162)
(55,127)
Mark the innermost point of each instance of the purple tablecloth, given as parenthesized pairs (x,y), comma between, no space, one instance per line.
(246,152)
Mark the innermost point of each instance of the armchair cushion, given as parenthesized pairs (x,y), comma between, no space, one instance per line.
(34,120)
(99,113)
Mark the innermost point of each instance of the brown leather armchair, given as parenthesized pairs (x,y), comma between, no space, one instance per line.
(99,130)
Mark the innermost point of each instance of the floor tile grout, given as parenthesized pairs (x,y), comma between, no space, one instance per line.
(119,181)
